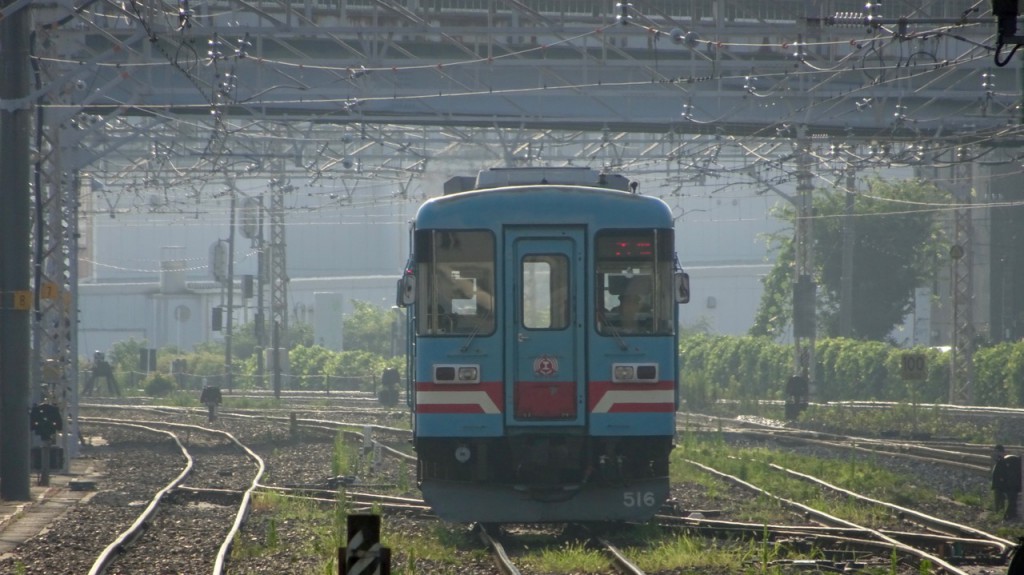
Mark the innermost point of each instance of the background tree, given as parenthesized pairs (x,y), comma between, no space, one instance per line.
(776,309)
(307,364)
(243,342)
(243,338)
(369,328)
(124,355)
(897,247)
(299,333)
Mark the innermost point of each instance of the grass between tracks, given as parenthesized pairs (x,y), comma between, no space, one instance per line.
(854,471)
(906,420)
(421,548)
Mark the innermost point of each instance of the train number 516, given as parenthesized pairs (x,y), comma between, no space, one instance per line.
(637,499)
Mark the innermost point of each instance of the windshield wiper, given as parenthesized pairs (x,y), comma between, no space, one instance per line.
(476,331)
(611,328)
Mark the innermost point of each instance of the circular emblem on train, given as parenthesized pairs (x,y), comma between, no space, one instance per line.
(545,365)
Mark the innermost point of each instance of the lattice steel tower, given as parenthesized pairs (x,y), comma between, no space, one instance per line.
(278,277)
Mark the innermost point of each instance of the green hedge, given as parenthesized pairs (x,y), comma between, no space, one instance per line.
(753,368)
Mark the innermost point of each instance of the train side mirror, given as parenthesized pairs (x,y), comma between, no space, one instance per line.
(681,285)
(406,290)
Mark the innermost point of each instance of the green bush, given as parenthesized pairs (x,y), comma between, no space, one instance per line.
(754,368)
(159,385)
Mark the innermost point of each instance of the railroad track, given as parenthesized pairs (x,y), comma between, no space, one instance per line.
(933,540)
(147,515)
(318,420)
(302,472)
(955,454)
(489,536)
(212,493)
(945,544)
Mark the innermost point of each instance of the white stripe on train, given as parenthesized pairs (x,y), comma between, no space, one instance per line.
(457,398)
(624,396)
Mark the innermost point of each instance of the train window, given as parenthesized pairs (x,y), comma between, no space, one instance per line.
(634,282)
(545,293)
(455,282)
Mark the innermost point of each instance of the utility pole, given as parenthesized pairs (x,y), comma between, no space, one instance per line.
(800,386)
(961,380)
(229,320)
(252,228)
(15,298)
(804,288)
(849,239)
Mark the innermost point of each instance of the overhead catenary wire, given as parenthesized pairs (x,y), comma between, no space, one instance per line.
(198,177)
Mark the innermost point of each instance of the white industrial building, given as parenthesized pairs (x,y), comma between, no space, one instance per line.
(148,276)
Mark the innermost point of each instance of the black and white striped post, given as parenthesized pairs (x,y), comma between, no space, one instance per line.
(363,555)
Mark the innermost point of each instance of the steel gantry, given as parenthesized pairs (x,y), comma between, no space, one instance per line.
(160,100)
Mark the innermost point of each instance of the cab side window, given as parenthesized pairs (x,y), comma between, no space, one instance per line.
(455,282)
(633,283)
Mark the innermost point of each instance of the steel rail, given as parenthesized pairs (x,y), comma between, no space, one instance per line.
(893,449)
(816,532)
(623,564)
(125,538)
(1004,545)
(140,524)
(244,508)
(501,558)
(833,520)
(971,461)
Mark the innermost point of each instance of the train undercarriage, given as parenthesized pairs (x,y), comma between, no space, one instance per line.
(544,477)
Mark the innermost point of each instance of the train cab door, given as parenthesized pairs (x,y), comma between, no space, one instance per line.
(545,334)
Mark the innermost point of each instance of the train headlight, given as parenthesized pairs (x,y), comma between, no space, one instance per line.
(622,372)
(454,373)
(463,453)
(635,373)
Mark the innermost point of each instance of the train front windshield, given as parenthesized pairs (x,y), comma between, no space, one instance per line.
(455,271)
(634,282)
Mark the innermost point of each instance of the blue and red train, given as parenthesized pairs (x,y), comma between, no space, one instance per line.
(543,347)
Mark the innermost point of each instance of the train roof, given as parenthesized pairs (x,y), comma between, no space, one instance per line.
(503,177)
(544,204)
